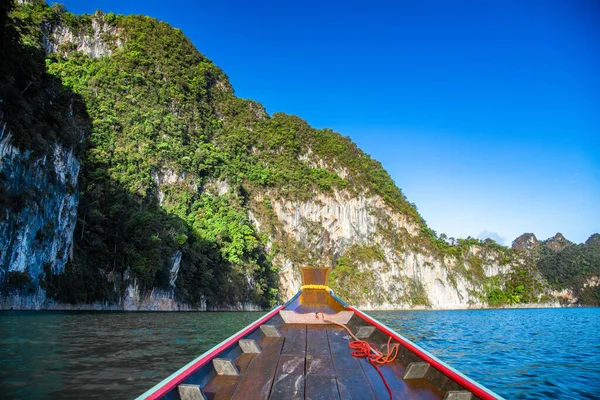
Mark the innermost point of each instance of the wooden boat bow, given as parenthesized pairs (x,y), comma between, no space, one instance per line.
(301,350)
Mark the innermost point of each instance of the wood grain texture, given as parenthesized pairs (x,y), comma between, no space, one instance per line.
(256,382)
(316,340)
(319,387)
(295,340)
(289,379)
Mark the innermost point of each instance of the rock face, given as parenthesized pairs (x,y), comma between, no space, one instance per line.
(558,243)
(329,227)
(161,300)
(37,230)
(527,243)
(100,41)
(569,296)
(132,301)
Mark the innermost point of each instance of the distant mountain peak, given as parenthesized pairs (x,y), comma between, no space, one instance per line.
(527,243)
(593,240)
(558,242)
(559,236)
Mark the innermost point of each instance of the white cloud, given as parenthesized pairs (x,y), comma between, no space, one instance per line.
(491,235)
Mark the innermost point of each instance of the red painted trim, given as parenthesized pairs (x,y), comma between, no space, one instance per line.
(443,368)
(201,362)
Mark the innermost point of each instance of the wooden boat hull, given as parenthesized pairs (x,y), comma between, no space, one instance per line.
(294,353)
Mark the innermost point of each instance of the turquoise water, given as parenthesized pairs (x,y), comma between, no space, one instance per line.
(528,354)
(518,353)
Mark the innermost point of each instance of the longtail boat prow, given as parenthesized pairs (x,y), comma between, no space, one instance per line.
(317,347)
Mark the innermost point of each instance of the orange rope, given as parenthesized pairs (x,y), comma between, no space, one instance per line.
(363,349)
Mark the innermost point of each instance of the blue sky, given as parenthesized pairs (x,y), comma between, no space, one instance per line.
(485,113)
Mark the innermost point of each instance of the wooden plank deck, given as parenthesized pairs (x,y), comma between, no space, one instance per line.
(312,362)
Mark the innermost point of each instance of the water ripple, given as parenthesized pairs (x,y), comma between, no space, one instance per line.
(47,355)
(519,354)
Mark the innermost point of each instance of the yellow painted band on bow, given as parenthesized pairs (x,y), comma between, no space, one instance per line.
(327,288)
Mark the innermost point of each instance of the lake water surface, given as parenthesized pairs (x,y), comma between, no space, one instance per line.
(520,353)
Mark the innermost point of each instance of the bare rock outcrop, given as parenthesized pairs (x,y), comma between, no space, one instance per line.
(527,243)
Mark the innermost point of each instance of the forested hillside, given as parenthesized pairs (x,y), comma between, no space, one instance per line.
(190,193)
(572,269)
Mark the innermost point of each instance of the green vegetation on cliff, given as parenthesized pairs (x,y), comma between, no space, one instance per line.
(356,285)
(572,267)
(521,285)
(35,106)
(175,170)
(166,128)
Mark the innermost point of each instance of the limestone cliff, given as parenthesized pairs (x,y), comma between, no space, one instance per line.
(558,242)
(526,243)
(42,127)
(190,198)
(394,272)
(37,231)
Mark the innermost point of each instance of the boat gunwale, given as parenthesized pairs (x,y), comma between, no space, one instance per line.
(173,380)
(178,377)
(476,388)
